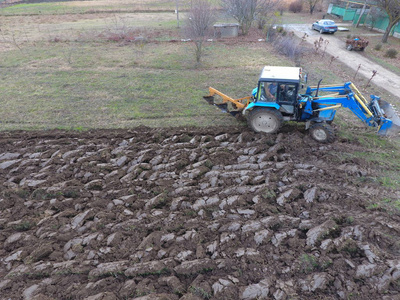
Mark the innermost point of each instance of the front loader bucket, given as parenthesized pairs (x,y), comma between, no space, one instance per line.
(392,125)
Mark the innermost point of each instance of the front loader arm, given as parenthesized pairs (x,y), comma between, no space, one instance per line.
(348,101)
(340,89)
(375,113)
(369,113)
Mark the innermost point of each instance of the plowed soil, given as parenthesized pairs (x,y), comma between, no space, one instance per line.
(206,213)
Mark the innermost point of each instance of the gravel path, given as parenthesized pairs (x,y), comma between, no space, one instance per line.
(384,78)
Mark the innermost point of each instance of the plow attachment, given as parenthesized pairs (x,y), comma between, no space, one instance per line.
(391,126)
(227,104)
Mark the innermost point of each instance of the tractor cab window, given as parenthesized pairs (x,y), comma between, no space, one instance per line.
(267,91)
(287,93)
(272,91)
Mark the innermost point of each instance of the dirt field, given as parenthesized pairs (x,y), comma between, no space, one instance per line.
(192,214)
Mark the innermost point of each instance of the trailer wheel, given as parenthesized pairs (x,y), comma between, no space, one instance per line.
(322,132)
(267,120)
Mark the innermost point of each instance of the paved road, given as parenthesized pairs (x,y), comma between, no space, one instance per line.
(383,78)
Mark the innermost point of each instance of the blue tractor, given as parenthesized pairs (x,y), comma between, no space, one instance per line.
(277,98)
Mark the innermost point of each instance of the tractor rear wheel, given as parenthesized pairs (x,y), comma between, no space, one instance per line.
(267,120)
(322,132)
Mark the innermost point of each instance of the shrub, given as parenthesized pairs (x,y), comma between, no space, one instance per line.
(296,6)
(289,46)
(280,29)
(261,22)
(378,47)
(391,53)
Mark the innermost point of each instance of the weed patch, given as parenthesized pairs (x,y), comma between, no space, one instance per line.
(24,226)
(200,292)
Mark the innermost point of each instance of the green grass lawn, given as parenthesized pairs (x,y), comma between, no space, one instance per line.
(60,69)
(84,7)
(91,85)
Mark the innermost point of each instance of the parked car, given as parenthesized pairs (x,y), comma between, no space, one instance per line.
(324,25)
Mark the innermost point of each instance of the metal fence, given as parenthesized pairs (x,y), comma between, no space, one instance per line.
(352,14)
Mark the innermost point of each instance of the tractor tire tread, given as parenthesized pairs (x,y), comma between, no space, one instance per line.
(329,133)
(262,111)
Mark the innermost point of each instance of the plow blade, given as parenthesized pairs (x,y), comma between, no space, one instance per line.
(222,106)
(236,106)
(209,99)
(391,126)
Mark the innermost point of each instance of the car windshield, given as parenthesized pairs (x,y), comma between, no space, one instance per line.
(329,23)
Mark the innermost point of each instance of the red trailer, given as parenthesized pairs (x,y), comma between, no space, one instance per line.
(356,43)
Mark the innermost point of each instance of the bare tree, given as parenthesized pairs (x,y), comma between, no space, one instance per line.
(266,10)
(198,26)
(245,12)
(392,8)
(290,46)
(312,4)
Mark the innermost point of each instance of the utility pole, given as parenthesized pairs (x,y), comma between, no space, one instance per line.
(361,14)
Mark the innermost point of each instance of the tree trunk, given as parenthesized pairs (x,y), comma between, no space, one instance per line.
(387,31)
(245,24)
(198,50)
(361,14)
(177,12)
(385,36)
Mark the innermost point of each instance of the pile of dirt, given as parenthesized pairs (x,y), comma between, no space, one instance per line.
(206,213)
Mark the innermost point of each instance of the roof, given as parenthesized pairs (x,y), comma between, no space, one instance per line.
(280,73)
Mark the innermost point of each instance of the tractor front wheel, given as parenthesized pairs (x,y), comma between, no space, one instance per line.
(267,120)
(322,132)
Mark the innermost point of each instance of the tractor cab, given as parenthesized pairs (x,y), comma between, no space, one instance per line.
(278,87)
